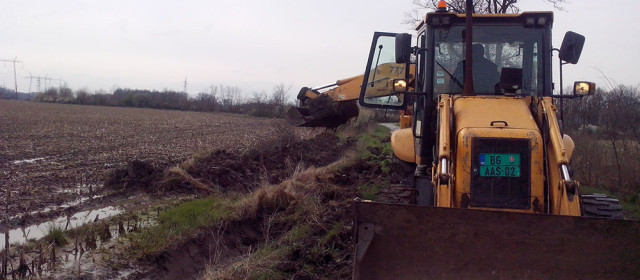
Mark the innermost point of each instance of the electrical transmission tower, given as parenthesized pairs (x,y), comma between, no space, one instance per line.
(15,80)
(38,80)
(185,84)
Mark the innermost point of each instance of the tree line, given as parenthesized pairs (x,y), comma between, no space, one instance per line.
(216,98)
(605,128)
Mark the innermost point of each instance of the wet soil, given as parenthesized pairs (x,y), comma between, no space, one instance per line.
(73,169)
(55,159)
(54,155)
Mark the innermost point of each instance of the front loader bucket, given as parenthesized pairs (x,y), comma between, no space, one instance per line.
(394,241)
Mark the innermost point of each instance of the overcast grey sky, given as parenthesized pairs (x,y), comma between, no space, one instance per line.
(255,45)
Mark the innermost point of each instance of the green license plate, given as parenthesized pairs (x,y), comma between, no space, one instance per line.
(499,165)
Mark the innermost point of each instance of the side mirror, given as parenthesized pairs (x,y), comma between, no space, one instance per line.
(403,48)
(584,88)
(571,47)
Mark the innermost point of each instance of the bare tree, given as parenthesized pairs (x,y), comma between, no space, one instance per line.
(213,91)
(231,97)
(206,101)
(279,98)
(65,95)
(458,6)
(621,115)
(259,97)
(279,94)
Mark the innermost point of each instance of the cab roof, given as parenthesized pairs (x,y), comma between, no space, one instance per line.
(526,18)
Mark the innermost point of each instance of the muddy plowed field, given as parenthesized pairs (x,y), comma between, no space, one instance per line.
(54,155)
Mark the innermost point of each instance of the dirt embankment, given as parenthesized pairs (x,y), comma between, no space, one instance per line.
(224,171)
(292,226)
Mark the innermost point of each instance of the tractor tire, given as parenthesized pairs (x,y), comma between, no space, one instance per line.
(600,206)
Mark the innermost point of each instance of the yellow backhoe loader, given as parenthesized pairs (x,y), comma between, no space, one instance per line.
(337,104)
(494,195)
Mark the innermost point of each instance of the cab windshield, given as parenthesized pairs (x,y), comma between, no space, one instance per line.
(506,60)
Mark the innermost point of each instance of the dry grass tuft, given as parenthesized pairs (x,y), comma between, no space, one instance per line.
(304,221)
(270,198)
(176,177)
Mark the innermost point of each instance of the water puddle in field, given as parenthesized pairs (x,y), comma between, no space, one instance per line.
(34,232)
(31,160)
(72,203)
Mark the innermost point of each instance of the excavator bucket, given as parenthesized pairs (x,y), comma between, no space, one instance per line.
(396,241)
(297,116)
(323,112)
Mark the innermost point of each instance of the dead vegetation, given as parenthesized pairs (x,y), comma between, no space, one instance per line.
(299,228)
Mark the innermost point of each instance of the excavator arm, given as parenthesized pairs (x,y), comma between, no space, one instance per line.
(341,90)
(330,108)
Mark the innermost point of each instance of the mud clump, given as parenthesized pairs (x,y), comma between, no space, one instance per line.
(137,175)
(229,171)
(325,112)
(226,171)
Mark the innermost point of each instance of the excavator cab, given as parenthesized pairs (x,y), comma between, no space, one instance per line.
(494,193)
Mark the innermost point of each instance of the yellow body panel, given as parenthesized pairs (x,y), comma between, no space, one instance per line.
(348,89)
(511,119)
(405,121)
(560,149)
(444,196)
(444,147)
(480,111)
(403,145)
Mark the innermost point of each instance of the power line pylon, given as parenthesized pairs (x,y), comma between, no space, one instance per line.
(15,80)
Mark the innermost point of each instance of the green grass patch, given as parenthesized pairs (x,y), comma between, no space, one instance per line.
(385,166)
(370,192)
(298,233)
(179,223)
(375,138)
(375,148)
(194,214)
(56,235)
(333,232)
